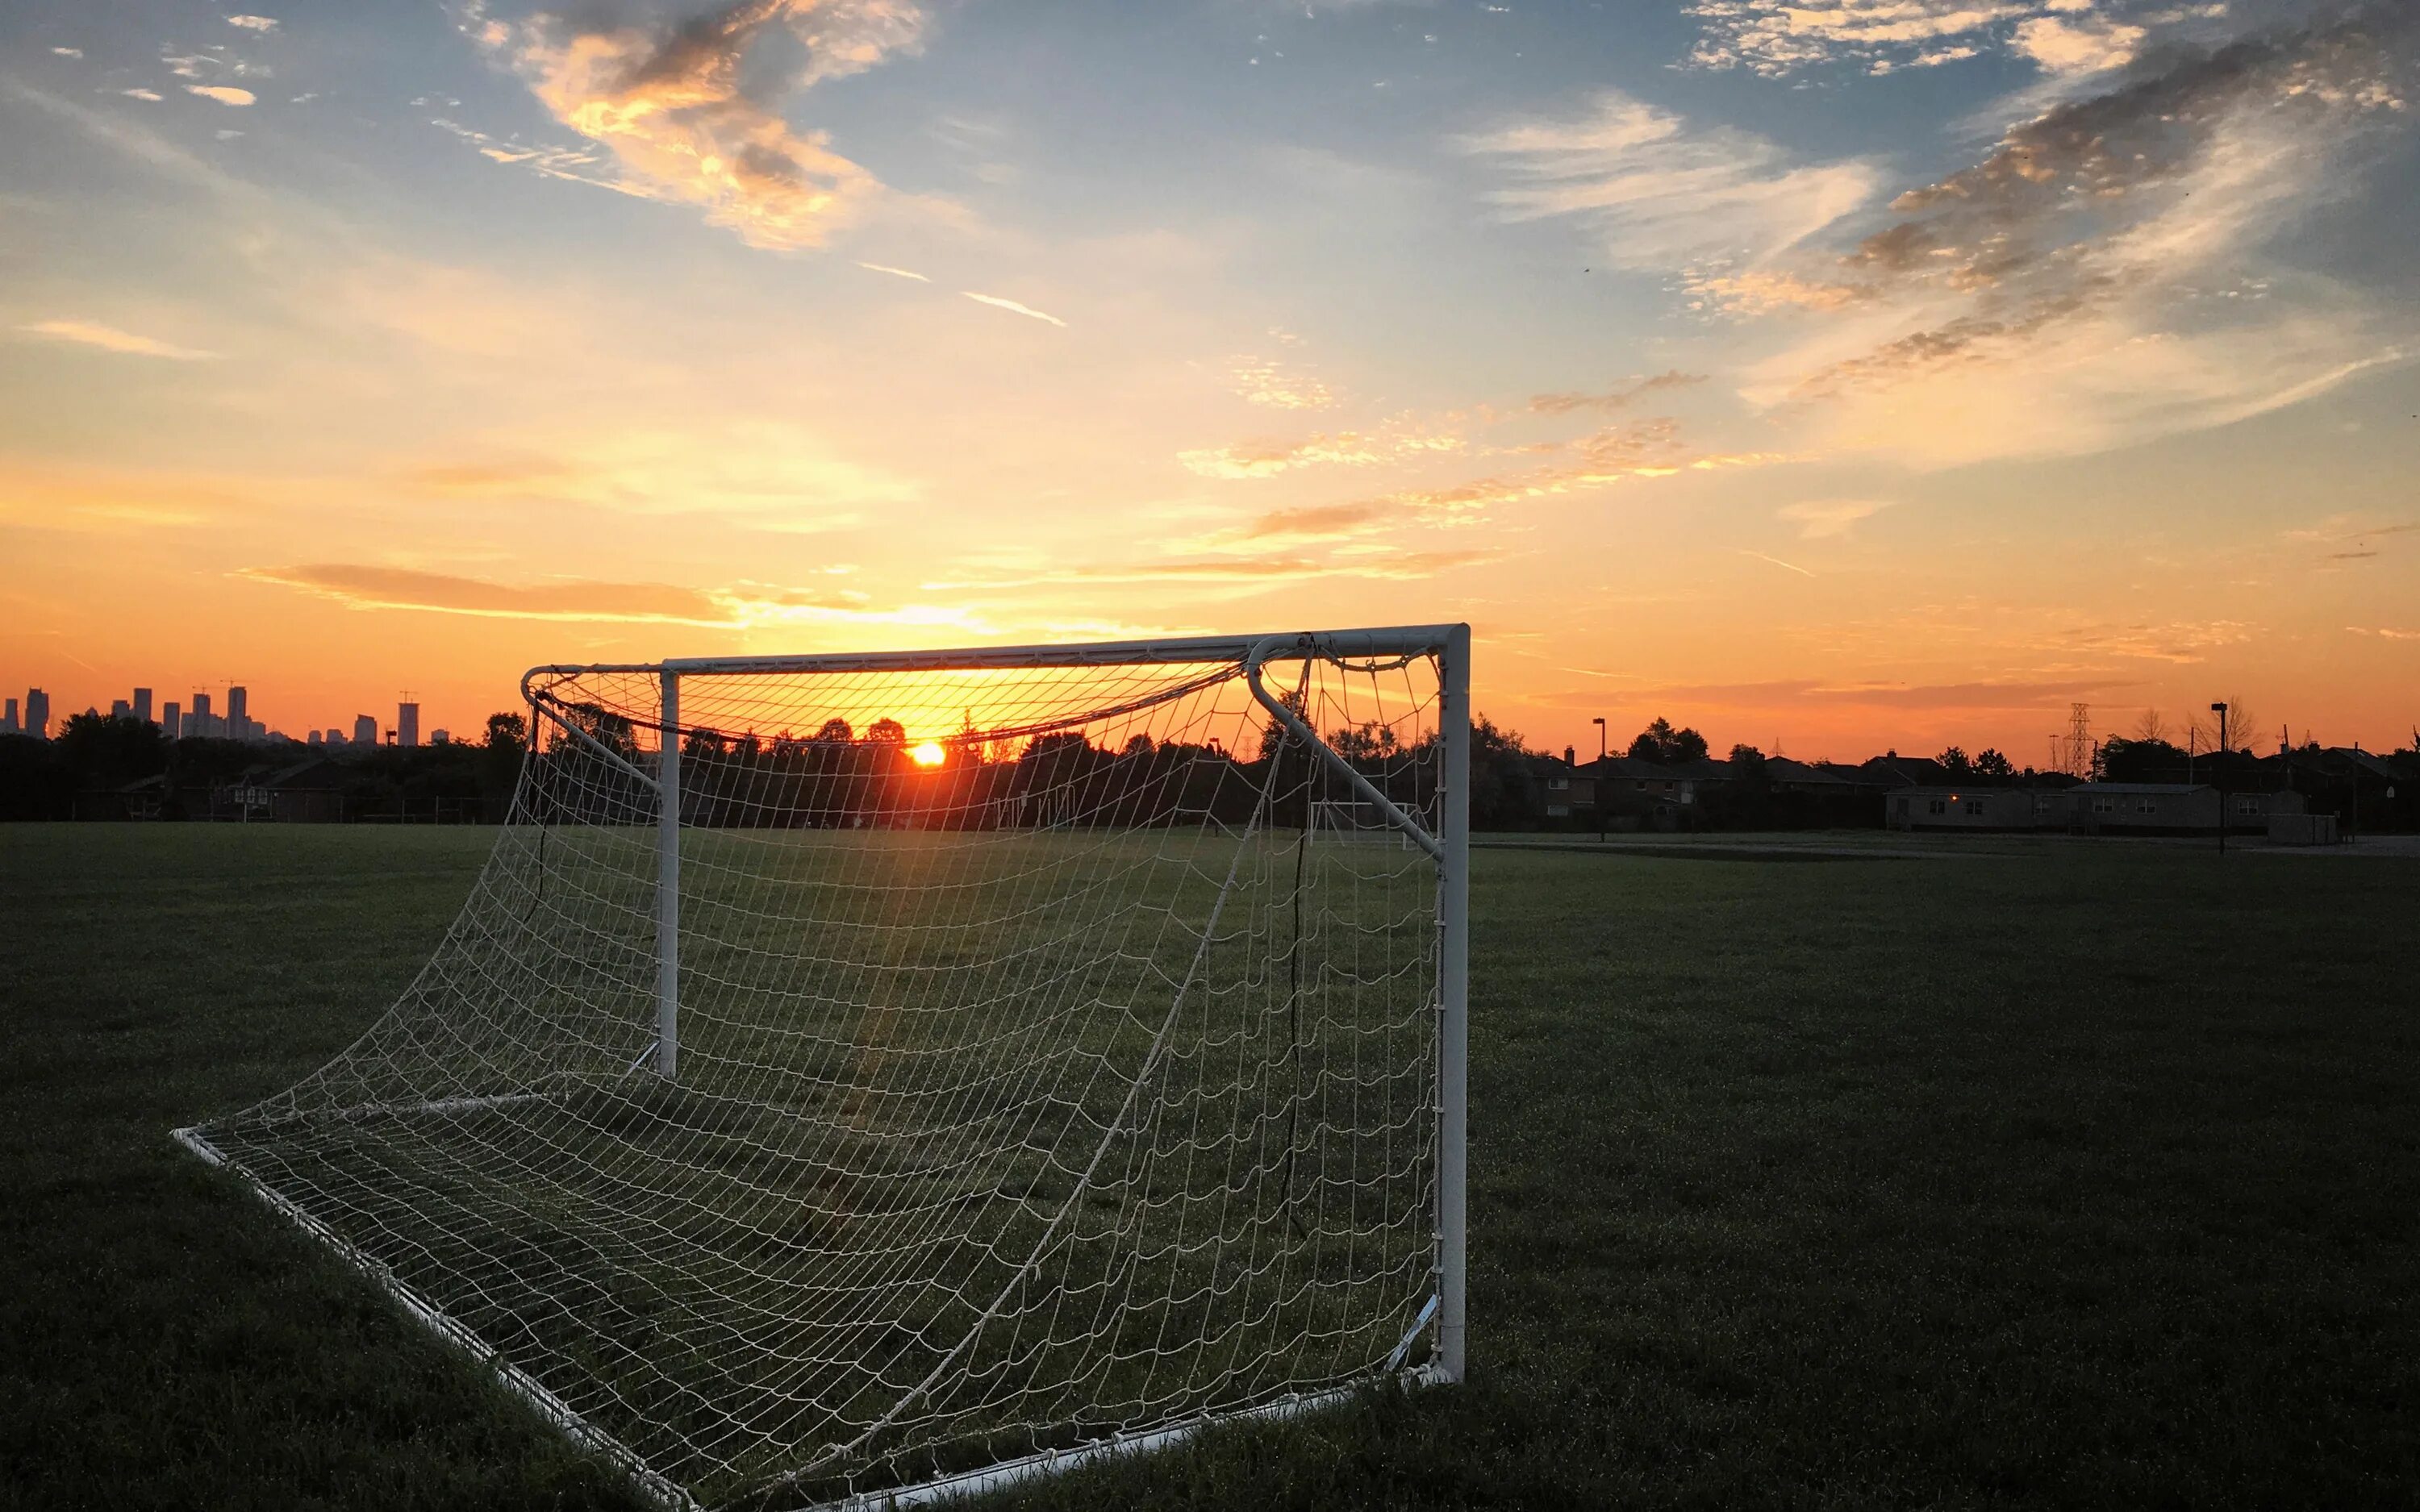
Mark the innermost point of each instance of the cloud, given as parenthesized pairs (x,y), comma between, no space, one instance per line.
(66,52)
(253,24)
(1820,519)
(895,272)
(2097,276)
(1777,37)
(1882,695)
(1622,396)
(737,606)
(1394,443)
(2384,632)
(1790,566)
(152,95)
(996,301)
(373,587)
(766,473)
(224,94)
(2083,43)
(691,110)
(1252,571)
(1275,383)
(111,339)
(1660,195)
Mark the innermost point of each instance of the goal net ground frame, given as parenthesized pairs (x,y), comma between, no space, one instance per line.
(1431,1352)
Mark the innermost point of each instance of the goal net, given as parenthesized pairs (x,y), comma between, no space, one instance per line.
(868,1076)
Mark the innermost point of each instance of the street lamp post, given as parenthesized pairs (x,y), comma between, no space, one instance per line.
(1596,786)
(2218,764)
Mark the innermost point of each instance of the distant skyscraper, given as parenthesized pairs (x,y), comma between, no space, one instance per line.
(38,714)
(365,730)
(315,739)
(120,709)
(170,713)
(407,724)
(441,738)
(9,719)
(142,705)
(199,722)
(335,736)
(238,716)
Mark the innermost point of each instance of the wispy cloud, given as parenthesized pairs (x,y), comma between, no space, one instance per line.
(1013,306)
(736,605)
(766,473)
(66,52)
(1622,396)
(253,24)
(895,272)
(1787,566)
(224,94)
(111,339)
(1280,383)
(692,110)
(151,95)
(1777,37)
(1661,195)
(1248,571)
(2015,694)
(1399,440)
(2099,276)
(1820,519)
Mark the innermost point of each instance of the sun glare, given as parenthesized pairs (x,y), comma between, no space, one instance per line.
(928,754)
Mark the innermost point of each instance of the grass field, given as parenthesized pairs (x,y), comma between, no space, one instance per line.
(2077,1176)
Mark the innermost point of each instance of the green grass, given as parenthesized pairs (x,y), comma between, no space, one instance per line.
(2082,1175)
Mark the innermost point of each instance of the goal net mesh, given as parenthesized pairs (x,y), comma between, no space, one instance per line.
(1044,1074)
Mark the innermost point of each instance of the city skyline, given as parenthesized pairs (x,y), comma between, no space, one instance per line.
(1838,378)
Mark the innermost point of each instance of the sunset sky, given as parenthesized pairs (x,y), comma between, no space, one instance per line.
(1834,374)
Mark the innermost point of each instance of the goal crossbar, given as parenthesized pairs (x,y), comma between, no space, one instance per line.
(578,928)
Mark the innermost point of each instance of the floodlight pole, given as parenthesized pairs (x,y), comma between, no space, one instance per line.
(668,883)
(1453,993)
(2218,767)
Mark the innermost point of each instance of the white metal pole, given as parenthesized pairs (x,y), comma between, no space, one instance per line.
(668,885)
(1454,989)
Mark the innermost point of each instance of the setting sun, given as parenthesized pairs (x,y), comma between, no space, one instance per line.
(928,754)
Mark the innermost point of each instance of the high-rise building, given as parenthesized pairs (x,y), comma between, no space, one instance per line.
(38,714)
(9,719)
(315,739)
(238,716)
(407,724)
(170,713)
(201,721)
(335,736)
(120,709)
(142,705)
(365,730)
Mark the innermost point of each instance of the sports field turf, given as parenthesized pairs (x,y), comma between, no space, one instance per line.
(2086,1175)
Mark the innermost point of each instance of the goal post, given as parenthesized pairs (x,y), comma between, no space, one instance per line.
(865,1078)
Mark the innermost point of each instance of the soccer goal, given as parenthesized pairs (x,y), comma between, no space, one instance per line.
(860,1078)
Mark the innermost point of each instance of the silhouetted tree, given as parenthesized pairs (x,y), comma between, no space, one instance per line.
(1954,761)
(1991,764)
(102,754)
(1659,742)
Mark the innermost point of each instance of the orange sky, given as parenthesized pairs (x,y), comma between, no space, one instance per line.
(1832,419)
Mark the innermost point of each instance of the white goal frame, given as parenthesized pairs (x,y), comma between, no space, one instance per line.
(1448,848)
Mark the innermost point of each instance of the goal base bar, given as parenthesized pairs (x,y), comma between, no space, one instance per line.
(670,1496)
(1062,1461)
(558,1413)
